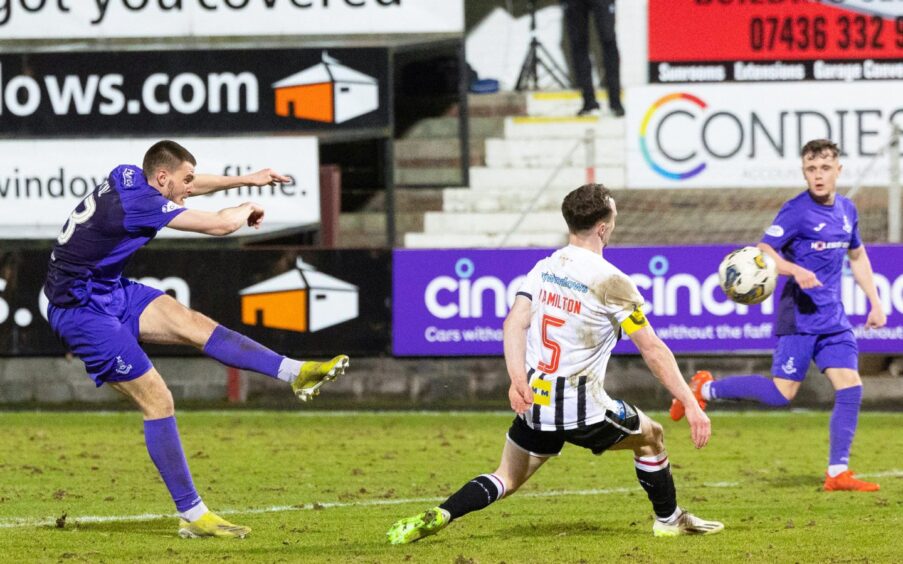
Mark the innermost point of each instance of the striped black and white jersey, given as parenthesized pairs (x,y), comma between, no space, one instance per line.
(580,305)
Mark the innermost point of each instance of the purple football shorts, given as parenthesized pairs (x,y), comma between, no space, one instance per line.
(794,352)
(104,332)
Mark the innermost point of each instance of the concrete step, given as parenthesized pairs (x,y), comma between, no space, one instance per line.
(429,176)
(478,105)
(492,223)
(546,153)
(495,104)
(406,200)
(486,201)
(375,222)
(574,128)
(439,152)
(447,126)
(477,240)
(526,180)
(561,103)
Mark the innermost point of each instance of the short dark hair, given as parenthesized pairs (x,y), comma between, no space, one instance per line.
(816,147)
(586,206)
(165,154)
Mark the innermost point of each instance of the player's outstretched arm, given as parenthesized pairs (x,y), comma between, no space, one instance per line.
(861,267)
(223,222)
(804,277)
(207,183)
(661,362)
(515,340)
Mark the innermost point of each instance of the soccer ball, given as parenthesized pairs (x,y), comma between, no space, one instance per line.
(748,275)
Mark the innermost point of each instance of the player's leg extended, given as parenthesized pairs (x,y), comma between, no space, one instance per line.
(791,360)
(789,364)
(776,392)
(844,420)
(515,469)
(166,321)
(161,434)
(653,471)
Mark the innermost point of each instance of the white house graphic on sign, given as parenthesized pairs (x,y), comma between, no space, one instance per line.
(329,92)
(301,300)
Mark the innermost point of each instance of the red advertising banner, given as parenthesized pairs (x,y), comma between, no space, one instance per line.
(757,40)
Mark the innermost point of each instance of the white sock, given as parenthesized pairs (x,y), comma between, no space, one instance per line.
(673,518)
(835,470)
(706,391)
(289,369)
(194,513)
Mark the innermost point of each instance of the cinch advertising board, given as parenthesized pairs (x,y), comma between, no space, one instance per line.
(97,19)
(453,302)
(304,303)
(41,182)
(750,135)
(775,40)
(193,92)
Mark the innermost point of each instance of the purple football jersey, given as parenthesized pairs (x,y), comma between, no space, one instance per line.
(816,237)
(115,220)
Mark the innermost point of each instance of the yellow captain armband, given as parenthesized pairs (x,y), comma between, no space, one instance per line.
(635,321)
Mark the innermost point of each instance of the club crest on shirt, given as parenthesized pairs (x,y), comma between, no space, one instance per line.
(128,177)
(846,224)
(775,231)
(788,367)
(170,206)
(122,367)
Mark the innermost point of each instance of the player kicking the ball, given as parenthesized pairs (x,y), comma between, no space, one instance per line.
(101,316)
(558,337)
(809,239)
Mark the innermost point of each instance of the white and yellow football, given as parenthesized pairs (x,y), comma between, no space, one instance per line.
(748,276)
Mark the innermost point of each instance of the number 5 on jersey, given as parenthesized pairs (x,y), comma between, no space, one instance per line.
(552,366)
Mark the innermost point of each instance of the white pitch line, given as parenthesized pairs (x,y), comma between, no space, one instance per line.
(887,474)
(19,523)
(25,522)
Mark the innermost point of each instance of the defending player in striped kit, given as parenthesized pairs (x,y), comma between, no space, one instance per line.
(566,319)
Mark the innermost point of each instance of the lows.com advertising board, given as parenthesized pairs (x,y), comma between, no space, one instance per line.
(193,92)
(453,302)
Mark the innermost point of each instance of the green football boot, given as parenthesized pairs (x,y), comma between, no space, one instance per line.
(415,528)
(314,374)
(211,525)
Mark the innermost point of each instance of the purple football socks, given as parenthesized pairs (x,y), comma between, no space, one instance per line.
(753,387)
(844,419)
(165,449)
(236,350)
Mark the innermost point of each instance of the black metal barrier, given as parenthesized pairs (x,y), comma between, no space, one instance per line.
(307,302)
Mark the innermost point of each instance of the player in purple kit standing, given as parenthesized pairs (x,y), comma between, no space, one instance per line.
(101,316)
(809,239)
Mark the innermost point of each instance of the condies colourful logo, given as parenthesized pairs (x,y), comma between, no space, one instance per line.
(644,127)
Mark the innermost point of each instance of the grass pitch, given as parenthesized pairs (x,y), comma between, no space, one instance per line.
(324,487)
